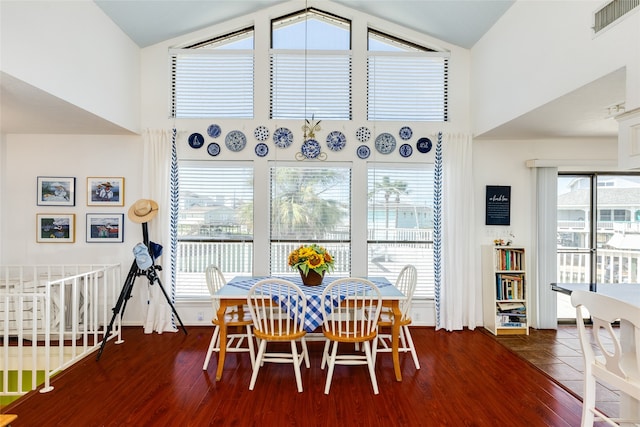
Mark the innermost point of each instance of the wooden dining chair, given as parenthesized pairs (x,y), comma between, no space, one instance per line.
(236,317)
(406,283)
(607,357)
(356,325)
(278,308)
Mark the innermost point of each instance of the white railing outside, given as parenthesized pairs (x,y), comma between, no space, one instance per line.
(614,266)
(51,317)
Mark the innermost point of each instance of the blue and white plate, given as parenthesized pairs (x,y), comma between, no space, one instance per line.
(235,140)
(214,131)
(336,140)
(261,133)
(196,140)
(405,133)
(405,150)
(363,134)
(385,143)
(283,137)
(310,149)
(213,149)
(363,151)
(262,149)
(423,145)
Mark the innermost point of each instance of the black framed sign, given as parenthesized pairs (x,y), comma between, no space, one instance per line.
(498,205)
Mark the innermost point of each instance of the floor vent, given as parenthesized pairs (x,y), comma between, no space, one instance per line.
(611,12)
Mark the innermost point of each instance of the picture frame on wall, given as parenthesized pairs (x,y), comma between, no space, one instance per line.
(105,228)
(56,191)
(105,191)
(55,228)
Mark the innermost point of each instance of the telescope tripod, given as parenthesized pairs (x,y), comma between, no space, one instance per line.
(125,294)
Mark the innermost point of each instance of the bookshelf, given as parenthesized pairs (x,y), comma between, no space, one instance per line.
(504,290)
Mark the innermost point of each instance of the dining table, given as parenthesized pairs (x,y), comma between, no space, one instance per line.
(234,294)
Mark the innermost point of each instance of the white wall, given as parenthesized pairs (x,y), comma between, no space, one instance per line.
(28,156)
(540,50)
(72,50)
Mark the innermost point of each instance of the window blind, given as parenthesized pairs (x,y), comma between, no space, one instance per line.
(212,83)
(407,86)
(400,223)
(310,205)
(306,83)
(215,223)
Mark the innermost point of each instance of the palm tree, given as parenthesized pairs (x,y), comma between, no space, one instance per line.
(300,206)
(389,189)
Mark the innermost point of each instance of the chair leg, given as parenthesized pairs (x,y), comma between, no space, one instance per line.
(589,400)
(212,346)
(372,370)
(305,352)
(325,354)
(412,348)
(256,366)
(296,364)
(252,353)
(332,364)
(374,350)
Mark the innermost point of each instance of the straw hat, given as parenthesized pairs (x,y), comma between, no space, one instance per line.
(143,210)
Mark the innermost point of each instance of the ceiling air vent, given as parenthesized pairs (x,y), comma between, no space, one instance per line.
(611,12)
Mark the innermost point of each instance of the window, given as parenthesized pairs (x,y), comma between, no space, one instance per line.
(310,204)
(400,223)
(601,250)
(215,223)
(311,67)
(406,82)
(214,78)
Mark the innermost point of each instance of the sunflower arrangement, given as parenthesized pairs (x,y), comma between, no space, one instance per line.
(311,257)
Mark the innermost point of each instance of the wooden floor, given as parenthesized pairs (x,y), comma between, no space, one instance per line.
(468,378)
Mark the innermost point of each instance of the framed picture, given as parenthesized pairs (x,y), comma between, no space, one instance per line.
(105,228)
(56,191)
(105,191)
(498,205)
(55,228)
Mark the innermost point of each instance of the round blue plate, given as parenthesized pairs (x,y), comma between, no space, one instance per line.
(405,150)
(310,149)
(262,149)
(363,151)
(214,131)
(336,140)
(196,140)
(213,149)
(282,137)
(405,133)
(423,145)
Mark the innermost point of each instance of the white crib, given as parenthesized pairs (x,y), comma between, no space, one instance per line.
(51,316)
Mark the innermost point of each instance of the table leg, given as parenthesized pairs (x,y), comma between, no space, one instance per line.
(395,338)
(222,338)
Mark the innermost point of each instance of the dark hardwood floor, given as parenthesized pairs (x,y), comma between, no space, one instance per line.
(468,378)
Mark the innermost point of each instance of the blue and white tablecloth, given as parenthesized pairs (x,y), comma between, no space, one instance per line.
(313,316)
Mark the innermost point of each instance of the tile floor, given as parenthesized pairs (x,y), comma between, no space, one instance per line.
(558,354)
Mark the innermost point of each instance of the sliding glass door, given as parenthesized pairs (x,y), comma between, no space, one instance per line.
(598,231)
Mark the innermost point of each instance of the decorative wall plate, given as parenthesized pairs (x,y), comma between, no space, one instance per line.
(235,140)
(336,140)
(363,134)
(423,145)
(310,149)
(385,143)
(196,140)
(214,131)
(261,133)
(282,137)
(363,151)
(262,149)
(213,149)
(405,133)
(405,150)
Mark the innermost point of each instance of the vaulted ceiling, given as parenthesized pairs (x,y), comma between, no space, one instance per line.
(460,22)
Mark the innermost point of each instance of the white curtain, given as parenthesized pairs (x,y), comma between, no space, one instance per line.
(545,300)
(156,178)
(459,295)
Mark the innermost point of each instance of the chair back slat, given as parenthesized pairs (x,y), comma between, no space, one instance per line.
(351,307)
(278,307)
(406,283)
(215,280)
